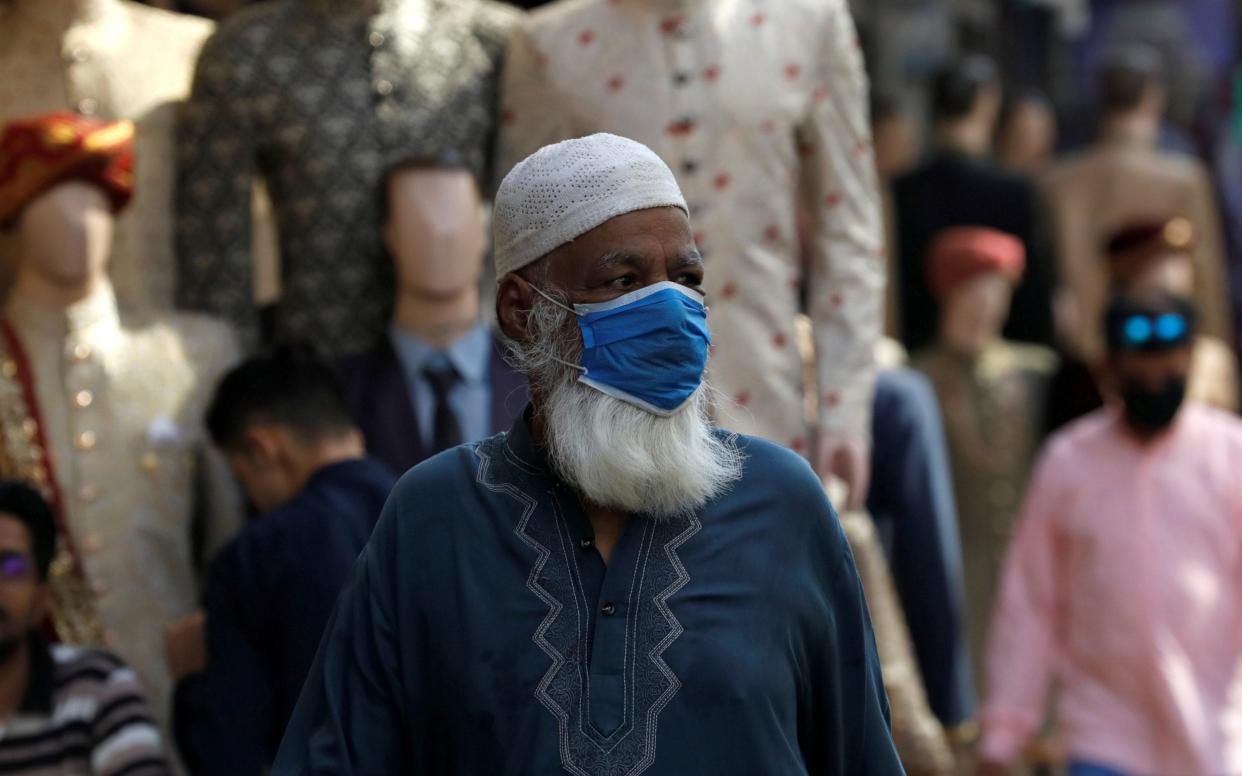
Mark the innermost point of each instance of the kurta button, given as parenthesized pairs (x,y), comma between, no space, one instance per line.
(83,399)
(88,492)
(81,351)
(609,609)
(376,39)
(85,441)
(87,106)
(79,54)
(383,87)
(586,544)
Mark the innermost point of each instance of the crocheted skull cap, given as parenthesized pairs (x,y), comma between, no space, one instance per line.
(565,190)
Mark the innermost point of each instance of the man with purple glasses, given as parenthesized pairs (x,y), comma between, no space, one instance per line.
(62,709)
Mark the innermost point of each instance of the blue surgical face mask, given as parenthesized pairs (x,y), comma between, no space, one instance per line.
(647,348)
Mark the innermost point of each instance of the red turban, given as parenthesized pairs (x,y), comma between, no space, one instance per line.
(40,152)
(959,253)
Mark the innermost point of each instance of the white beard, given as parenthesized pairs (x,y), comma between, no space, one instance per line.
(614,454)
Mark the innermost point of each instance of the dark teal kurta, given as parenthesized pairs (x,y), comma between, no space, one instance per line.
(483,634)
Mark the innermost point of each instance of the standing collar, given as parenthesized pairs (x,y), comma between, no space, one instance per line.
(95,318)
(470,355)
(522,447)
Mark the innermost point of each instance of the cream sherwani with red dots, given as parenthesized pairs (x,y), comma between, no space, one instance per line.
(754,104)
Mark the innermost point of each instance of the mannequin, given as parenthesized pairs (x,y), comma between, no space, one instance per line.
(1026,134)
(1123,177)
(433,230)
(365,85)
(960,185)
(437,241)
(991,393)
(112,59)
(104,411)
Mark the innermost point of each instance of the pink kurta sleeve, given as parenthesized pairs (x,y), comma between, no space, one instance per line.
(1022,646)
(841,194)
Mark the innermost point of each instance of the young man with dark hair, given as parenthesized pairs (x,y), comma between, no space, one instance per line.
(284,427)
(62,709)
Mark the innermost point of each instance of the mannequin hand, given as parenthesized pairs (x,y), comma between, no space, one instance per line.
(848,459)
(185,646)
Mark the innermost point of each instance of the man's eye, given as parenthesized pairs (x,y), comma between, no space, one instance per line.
(625,281)
(690,279)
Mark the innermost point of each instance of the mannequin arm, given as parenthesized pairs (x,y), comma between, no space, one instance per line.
(841,195)
(215,171)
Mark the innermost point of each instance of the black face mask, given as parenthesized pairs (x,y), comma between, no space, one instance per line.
(1150,411)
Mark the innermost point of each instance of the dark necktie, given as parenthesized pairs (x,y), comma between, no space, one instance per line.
(443,377)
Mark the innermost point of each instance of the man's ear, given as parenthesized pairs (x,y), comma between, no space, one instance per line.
(261,445)
(514,299)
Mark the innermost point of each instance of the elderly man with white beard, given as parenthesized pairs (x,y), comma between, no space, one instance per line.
(614,586)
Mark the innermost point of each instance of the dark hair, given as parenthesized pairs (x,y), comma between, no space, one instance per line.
(956,89)
(1126,74)
(24,502)
(448,160)
(289,386)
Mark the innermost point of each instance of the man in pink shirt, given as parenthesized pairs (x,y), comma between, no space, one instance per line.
(1123,582)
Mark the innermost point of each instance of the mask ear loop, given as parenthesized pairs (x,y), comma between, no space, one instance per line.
(569,310)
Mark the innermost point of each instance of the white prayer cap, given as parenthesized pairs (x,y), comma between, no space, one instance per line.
(565,190)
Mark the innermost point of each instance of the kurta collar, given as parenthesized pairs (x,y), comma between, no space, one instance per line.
(524,450)
(94,318)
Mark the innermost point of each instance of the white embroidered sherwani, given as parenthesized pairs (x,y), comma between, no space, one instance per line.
(758,106)
(110,59)
(145,499)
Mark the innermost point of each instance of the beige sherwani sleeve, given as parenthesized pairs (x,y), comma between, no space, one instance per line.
(1215,315)
(845,280)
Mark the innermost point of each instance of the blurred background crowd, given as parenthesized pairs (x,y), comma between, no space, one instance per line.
(301,187)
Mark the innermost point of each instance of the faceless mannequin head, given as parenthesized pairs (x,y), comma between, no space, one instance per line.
(1131,84)
(974,311)
(65,235)
(895,136)
(1026,135)
(966,100)
(434,231)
